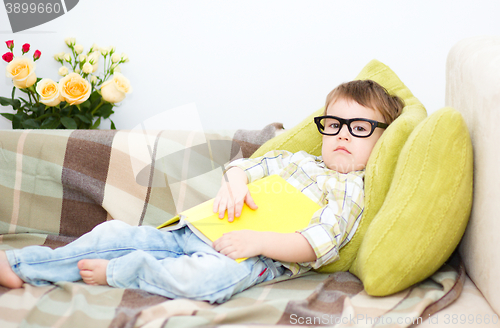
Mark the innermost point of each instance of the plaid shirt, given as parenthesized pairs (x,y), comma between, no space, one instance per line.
(340,195)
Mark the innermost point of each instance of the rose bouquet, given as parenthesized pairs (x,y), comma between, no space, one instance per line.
(79,100)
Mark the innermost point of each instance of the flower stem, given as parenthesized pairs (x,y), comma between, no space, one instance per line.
(35,94)
(97,107)
(39,118)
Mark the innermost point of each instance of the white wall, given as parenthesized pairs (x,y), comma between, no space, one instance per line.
(247,63)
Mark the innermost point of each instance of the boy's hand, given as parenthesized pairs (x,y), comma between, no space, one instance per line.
(286,247)
(233,194)
(239,244)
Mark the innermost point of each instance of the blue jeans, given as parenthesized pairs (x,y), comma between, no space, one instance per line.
(174,264)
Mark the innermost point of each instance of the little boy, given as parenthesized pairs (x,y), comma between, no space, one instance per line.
(178,264)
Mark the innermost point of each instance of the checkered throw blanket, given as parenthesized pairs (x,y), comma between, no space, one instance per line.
(56,185)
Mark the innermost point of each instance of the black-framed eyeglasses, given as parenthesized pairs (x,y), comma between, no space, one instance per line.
(358,127)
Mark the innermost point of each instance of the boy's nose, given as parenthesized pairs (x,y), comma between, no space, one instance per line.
(344,133)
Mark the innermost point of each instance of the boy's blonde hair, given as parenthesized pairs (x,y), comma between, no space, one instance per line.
(369,94)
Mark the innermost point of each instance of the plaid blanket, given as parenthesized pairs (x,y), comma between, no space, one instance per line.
(56,185)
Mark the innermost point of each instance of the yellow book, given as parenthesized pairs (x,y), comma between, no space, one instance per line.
(282,208)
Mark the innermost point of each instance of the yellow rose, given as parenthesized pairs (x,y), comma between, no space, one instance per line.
(74,88)
(22,72)
(49,92)
(115,89)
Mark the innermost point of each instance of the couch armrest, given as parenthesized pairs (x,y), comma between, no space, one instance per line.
(473,88)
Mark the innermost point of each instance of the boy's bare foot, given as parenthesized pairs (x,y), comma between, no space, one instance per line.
(93,272)
(7,277)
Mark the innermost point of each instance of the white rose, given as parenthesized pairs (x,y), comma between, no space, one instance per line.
(93,59)
(70,41)
(77,70)
(104,51)
(49,92)
(63,70)
(93,79)
(115,89)
(22,72)
(94,47)
(87,68)
(67,57)
(116,69)
(78,49)
(59,56)
(116,58)
(82,58)
(124,57)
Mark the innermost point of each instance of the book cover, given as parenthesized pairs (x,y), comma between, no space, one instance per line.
(282,208)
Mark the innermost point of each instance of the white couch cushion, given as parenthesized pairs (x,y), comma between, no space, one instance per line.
(473,88)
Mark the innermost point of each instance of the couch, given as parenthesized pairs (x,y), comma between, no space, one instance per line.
(56,185)
(473,88)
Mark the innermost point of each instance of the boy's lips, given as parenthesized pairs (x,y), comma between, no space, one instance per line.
(343,149)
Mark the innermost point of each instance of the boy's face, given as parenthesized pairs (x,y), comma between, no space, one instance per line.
(343,152)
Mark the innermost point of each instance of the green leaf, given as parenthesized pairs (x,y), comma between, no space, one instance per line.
(83,118)
(40,110)
(68,123)
(113,127)
(64,111)
(85,106)
(96,124)
(5,101)
(17,120)
(51,122)
(95,97)
(15,103)
(105,110)
(31,124)
(8,116)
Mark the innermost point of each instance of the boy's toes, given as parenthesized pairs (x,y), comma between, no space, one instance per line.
(85,265)
(93,271)
(86,274)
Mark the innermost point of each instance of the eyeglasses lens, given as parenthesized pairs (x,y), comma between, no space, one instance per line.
(358,128)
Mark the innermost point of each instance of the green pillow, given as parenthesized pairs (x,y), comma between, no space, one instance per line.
(426,210)
(382,162)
